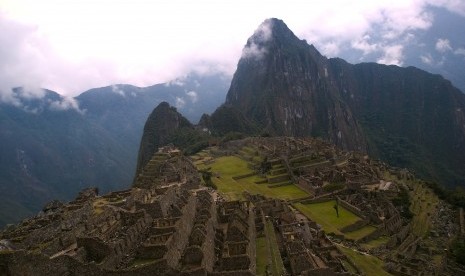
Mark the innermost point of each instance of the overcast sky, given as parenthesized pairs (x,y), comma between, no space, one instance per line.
(70,46)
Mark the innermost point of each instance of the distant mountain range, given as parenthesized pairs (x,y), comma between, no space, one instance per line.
(405,116)
(50,150)
(285,87)
(410,118)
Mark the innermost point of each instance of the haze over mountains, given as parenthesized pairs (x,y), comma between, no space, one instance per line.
(50,153)
(283,86)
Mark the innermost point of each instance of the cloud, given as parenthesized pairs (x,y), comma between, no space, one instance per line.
(254,48)
(180,102)
(65,103)
(460,51)
(364,45)
(117,90)
(443,45)
(392,55)
(193,96)
(48,44)
(427,59)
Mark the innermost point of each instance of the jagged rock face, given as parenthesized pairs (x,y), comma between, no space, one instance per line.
(163,122)
(287,88)
(411,118)
(405,116)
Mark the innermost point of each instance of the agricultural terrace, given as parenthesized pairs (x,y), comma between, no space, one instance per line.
(226,167)
(324,214)
(367,264)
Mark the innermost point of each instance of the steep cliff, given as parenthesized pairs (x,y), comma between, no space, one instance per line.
(406,116)
(161,125)
(286,86)
(410,117)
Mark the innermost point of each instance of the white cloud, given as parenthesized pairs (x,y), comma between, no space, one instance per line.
(254,48)
(253,51)
(427,59)
(193,96)
(66,103)
(364,45)
(180,102)
(117,90)
(443,45)
(392,55)
(71,46)
(460,51)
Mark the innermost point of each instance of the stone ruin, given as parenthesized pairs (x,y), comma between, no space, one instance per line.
(167,224)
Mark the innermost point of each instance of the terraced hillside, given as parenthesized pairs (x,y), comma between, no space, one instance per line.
(381,218)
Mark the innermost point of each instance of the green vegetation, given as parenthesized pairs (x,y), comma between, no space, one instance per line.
(207,178)
(458,250)
(455,197)
(225,168)
(424,203)
(262,255)
(403,203)
(350,268)
(277,266)
(360,233)
(331,187)
(324,214)
(190,140)
(367,264)
(375,243)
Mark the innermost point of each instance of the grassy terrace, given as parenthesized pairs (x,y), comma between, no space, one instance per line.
(423,203)
(375,243)
(367,264)
(224,168)
(324,214)
(262,255)
(277,266)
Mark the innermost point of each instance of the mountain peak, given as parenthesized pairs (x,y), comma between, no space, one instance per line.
(271,29)
(163,122)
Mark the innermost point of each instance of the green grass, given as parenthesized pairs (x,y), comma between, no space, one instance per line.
(350,268)
(324,214)
(367,264)
(277,266)
(375,243)
(262,255)
(423,201)
(360,233)
(228,166)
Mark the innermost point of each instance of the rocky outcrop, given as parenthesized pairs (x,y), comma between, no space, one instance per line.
(405,116)
(163,122)
(286,86)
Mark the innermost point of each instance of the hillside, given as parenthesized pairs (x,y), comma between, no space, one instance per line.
(264,206)
(405,116)
(51,149)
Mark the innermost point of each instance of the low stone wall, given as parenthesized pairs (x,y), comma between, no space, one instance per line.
(373,235)
(277,179)
(355,226)
(317,200)
(280,185)
(351,208)
(244,176)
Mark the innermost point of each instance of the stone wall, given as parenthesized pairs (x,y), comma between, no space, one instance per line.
(351,208)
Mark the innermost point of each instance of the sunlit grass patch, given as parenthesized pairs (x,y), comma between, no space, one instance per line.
(367,264)
(226,167)
(324,214)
